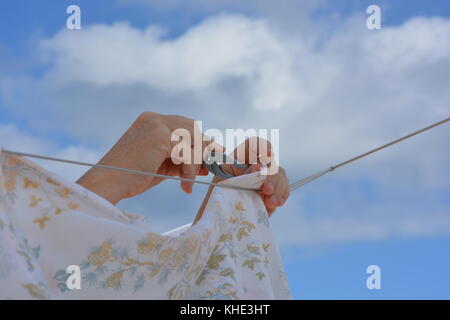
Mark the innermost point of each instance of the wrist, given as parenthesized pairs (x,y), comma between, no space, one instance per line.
(102,183)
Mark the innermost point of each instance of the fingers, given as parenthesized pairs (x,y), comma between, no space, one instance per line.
(270,211)
(267,188)
(261,148)
(275,191)
(189,171)
(254,150)
(194,136)
(268,197)
(182,155)
(270,202)
(203,171)
(268,193)
(281,189)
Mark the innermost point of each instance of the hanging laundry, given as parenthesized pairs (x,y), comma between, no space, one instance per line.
(48,224)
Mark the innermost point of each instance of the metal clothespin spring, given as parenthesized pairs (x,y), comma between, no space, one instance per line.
(215,159)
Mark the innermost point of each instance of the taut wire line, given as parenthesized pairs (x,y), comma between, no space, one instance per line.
(306,180)
(101,166)
(292,186)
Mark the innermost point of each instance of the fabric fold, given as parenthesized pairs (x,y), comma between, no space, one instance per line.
(48,224)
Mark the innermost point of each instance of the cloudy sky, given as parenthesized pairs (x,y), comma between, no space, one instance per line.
(309,68)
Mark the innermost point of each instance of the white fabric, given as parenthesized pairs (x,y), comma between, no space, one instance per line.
(47,224)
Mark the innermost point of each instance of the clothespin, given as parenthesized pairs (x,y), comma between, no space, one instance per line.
(213,160)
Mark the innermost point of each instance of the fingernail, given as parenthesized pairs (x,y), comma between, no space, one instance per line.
(273,199)
(186,187)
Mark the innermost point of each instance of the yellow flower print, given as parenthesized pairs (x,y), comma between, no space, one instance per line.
(146,247)
(1,224)
(95,259)
(226,237)
(102,255)
(215,260)
(28,183)
(73,205)
(53,182)
(106,249)
(41,221)
(156,270)
(132,262)
(34,201)
(63,192)
(12,161)
(10,184)
(153,238)
(239,206)
(242,232)
(200,278)
(191,244)
(233,220)
(149,244)
(177,259)
(35,291)
(250,226)
(250,263)
(227,272)
(114,280)
(253,249)
(266,246)
(165,254)
(260,275)
(58,211)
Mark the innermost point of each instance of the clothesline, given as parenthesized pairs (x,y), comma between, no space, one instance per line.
(306,180)
(297,184)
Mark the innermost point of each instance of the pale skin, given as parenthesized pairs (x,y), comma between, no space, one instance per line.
(146,146)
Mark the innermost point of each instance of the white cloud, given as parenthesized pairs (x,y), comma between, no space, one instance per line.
(217,49)
(331,99)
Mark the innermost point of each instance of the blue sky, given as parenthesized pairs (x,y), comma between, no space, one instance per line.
(332,87)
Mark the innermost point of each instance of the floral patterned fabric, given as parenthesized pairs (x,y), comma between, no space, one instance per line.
(48,224)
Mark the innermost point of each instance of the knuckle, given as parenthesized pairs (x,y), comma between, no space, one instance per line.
(146,115)
(148,120)
(180,119)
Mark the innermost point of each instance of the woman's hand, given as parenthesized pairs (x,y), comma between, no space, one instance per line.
(145,146)
(275,189)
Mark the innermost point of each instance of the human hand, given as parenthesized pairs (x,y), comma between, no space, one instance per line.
(275,189)
(145,146)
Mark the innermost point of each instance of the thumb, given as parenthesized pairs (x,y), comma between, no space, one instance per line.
(189,171)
